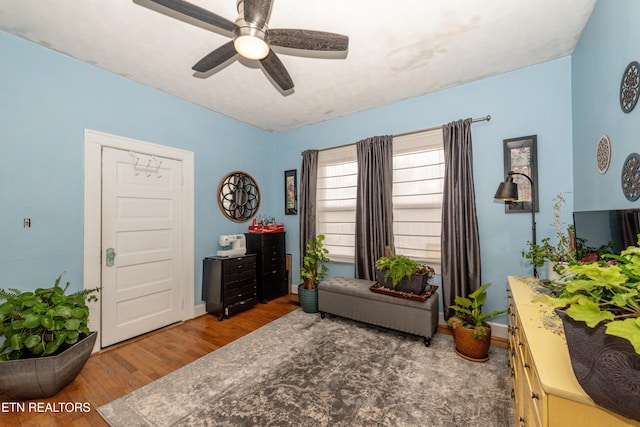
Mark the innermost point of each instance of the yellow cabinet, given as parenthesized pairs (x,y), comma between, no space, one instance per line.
(546,392)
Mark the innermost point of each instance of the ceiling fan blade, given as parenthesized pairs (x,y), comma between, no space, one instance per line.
(274,67)
(215,58)
(307,39)
(197,12)
(257,11)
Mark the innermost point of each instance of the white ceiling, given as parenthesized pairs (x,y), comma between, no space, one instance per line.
(398,49)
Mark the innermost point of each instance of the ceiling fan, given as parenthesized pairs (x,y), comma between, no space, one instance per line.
(252,38)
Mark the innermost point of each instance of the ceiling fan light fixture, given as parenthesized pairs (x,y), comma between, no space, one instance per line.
(251,47)
(249,42)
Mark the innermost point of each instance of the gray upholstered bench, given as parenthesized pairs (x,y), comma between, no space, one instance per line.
(352,298)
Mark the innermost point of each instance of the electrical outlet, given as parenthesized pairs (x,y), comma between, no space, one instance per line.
(27,223)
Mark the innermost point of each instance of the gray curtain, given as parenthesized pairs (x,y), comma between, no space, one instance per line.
(460,239)
(374,208)
(308,185)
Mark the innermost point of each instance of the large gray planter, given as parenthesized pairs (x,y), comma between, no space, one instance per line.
(41,377)
(606,367)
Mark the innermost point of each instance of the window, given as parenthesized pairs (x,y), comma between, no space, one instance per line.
(418,179)
(336,201)
(418,175)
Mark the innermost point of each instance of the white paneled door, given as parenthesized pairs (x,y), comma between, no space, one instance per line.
(141,238)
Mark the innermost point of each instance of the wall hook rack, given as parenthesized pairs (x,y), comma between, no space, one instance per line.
(151,168)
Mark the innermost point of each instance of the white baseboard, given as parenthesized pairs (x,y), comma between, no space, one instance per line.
(199,310)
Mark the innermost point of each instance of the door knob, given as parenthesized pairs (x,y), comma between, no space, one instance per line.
(111,255)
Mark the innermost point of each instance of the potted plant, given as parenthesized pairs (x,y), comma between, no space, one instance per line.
(471,330)
(45,339)
(312,271)
(568,249)
(401,273)
(558,255)
(599,304)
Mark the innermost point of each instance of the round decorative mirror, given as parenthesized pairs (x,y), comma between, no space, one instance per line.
(238,196)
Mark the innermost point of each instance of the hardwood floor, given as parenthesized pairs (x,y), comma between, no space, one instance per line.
(123,368)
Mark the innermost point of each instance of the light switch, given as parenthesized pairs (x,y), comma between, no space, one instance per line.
(27,223)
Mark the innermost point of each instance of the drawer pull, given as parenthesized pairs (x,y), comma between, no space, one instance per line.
(535,396)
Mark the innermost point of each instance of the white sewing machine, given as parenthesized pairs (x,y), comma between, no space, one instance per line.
(236,241)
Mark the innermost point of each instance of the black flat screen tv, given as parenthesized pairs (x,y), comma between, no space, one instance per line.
(616,228)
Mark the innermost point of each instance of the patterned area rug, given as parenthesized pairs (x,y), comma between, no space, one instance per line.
(301,370)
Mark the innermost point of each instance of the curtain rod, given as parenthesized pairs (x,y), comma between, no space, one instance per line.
(486,118)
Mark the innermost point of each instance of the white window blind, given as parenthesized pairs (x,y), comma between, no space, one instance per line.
(418,178)
(336,201)
(418,174)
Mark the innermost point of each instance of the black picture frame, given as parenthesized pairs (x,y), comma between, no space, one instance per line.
(291,192)
(521,156)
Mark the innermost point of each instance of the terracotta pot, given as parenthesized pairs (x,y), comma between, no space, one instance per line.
(471,348)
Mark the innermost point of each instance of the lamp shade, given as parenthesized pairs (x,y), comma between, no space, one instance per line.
(507,191)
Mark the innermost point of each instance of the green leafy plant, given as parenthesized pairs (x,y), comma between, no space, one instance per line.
(603,291)
(563,251)
(39,323)
(568,249)
(470,314)
(313,268)
(396,267)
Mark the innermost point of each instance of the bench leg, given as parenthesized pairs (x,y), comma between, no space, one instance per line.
(427,341)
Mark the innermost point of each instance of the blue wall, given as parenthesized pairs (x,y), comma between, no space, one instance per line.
(46,102)
(48,99)
(609,42)
(534,100)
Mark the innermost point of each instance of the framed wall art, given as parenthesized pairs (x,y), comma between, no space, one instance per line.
(290,192)
(520,155)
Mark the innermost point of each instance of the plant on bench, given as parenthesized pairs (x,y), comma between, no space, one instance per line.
(401,273)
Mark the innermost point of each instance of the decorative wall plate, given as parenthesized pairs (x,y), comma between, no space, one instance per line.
(603,155)
(238,196)
(631,177)
(630,87)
